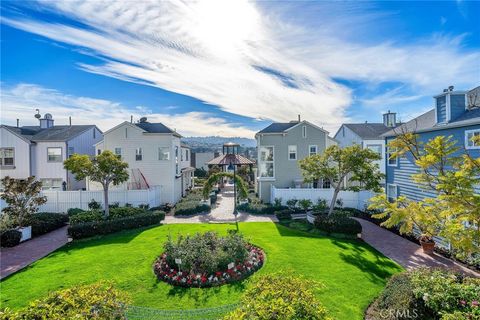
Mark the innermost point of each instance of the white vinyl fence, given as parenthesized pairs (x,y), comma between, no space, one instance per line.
(61,201)
(350,199)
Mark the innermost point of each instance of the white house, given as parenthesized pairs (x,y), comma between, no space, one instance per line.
(368,135)
(280,147)
(155,156)
(40,151)
(200,159)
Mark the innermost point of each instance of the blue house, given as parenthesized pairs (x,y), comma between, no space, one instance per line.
(457,114)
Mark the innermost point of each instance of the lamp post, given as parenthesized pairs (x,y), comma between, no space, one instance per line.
(232,166)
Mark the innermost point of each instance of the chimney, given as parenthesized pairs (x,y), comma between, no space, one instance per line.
(390,119)
(18,123)
(47,121)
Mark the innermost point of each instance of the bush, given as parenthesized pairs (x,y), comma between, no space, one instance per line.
(99,301)
(45,222)
(94,205)
(10,238)
(258,208)
(337,224)
(116,213)
(305,204)
(86,216)
(114,205)
(280,296)
(93,228)
(191,207)
(74,211)
(284,214)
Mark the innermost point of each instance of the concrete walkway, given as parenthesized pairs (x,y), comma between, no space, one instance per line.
(18,257)
(221,213)
(405,252)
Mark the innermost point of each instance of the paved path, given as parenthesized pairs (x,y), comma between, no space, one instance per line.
(18,257)
(406,253)
(221,213)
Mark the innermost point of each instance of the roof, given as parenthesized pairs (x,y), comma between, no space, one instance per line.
(154,127)
(368,131)
(55,133)
(226,159)
(428,122)
(278,127)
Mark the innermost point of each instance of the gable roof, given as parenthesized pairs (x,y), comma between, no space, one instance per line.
(55,133)
(278,127)
(367,131)
(154,127)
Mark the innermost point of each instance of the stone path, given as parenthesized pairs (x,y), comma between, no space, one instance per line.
(406,253)
(221,213)
(18,257)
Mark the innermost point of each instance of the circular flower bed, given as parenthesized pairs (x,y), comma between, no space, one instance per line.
(207,260)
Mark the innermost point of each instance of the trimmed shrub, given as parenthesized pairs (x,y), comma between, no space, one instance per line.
(116,213)
(10,238)
(337,224)
(45,222)
(258,208)
(99,301)
(284,214)
(86,216)
(280,296)
(191,207)
(93,228)
(74,211)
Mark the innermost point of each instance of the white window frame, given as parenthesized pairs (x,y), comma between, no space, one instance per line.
(50,185)
(304,132)
(467,139)
(392,185)
(266,161)
(294,147)
(2,158)
(61,154)
(387,157)
(118,153)
(138,152)
(310,149)
(167,153)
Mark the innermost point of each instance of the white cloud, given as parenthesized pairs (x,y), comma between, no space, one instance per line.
(215,51)
(20,102)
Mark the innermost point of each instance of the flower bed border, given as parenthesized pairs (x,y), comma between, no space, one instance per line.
(240,271)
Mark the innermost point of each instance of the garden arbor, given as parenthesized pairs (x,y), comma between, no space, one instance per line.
(214,178)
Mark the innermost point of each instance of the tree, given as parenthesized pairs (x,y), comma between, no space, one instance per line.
(105,169)
(23,199)
(350,168)
(450,174)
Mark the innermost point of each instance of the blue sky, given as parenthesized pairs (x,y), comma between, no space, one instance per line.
(231,68)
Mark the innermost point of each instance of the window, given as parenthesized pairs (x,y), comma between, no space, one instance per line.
(181,155)
(138,154)
(7,156)
(326,183)
(392,161)
(118,152)
(312,150)
(176,160)
(292,152)
(186,155)
(163,153)
(99,151)
(54,154)
(304,131)
(469,143)
(51,184)
(377,148)
(94,133)
(392,192)
(266,166)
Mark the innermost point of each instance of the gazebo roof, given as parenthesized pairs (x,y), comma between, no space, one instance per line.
(226,159)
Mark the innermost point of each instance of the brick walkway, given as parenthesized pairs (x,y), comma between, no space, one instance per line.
(405,252)
(221,213)
(18,257)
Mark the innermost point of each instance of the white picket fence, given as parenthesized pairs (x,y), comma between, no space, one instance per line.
(349,198)
(61,201)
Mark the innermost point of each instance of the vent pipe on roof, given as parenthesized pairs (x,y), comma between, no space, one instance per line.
(18,123)
(299,120)
(70,121)
(131,119)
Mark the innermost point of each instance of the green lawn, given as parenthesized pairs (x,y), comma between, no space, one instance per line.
(353,273)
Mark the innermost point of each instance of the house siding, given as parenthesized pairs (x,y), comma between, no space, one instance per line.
(43,169)
(441,105)
(22,165)
(287,171)
(401,175)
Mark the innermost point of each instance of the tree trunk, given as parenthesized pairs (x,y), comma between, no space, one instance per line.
(334,199)
(105,200)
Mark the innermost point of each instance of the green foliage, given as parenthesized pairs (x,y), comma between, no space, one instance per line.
(450,174)
(22,197)
(45,222)
(258,208)
(10,238)
(93,228)
(305,204)
(74,211)
(283,214)
(96,301)
(337,224)
(184,208)
(242,187)
(106,168)
(200,173)
(86,216)
(351,164)
(320,206)
(292,204)
(277,202)
(280,296)
(121,212)
(206,253)
(94,205)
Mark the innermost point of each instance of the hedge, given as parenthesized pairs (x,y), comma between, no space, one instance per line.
(337,224)
(74,211)
(93,228)
(10,238)
(284,214)
(259,208)
(45,222)
(191,207)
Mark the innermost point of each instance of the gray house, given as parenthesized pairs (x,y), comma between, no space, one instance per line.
(280,146)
